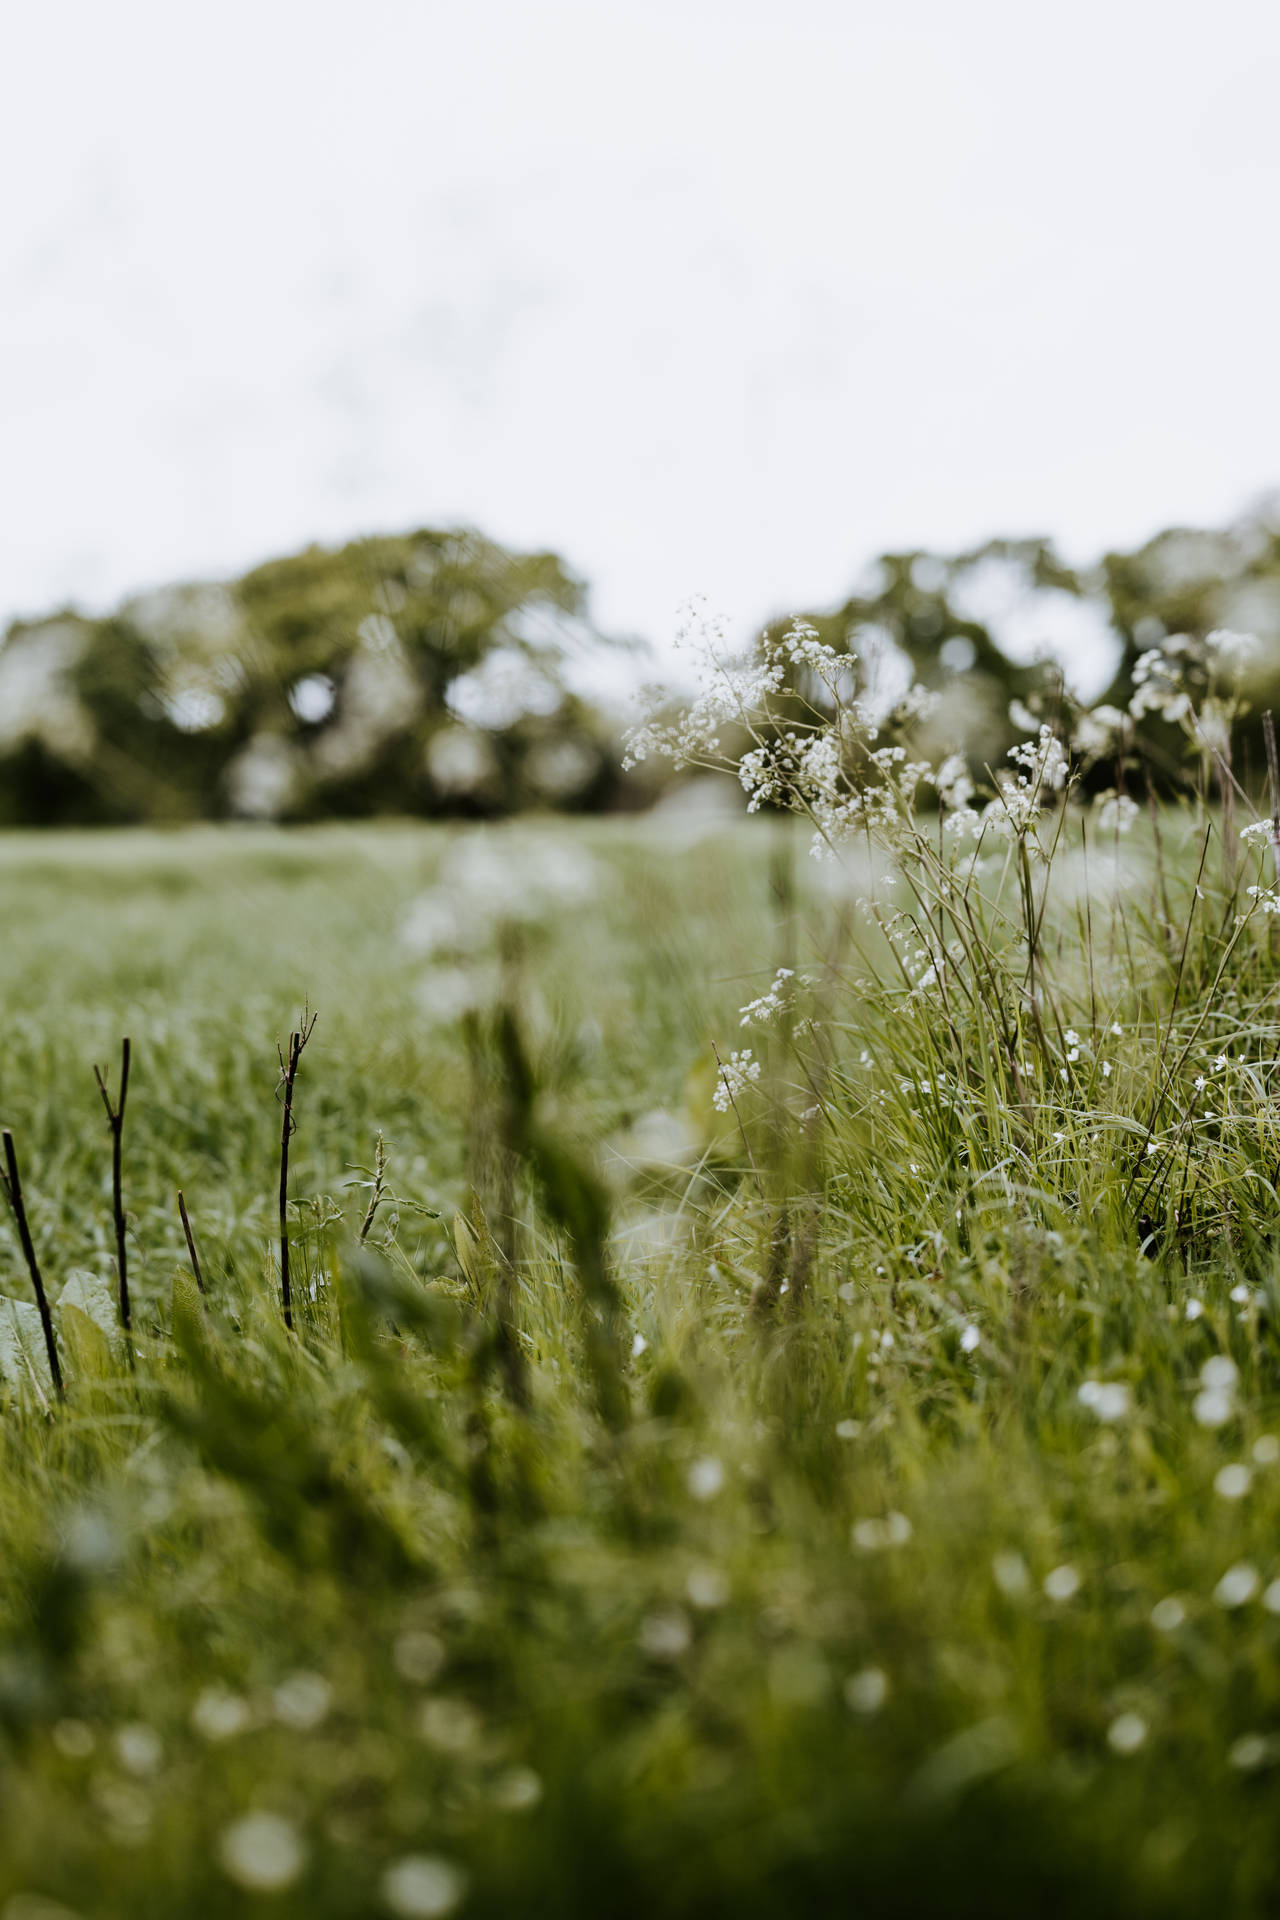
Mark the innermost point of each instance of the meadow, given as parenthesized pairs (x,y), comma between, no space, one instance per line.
(843,1479)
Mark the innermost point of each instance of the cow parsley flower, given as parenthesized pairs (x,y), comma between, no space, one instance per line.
(736,1073)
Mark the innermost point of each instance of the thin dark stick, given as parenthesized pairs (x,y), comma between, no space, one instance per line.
(191,1245)
(289,1072)
(13,1189)
(115,1120)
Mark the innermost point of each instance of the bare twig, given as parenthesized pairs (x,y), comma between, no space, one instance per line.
(13,1191)
(191,1244)
(288,1075)
(115,1120)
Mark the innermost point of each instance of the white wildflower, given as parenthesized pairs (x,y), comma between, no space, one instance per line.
(955,788)
(1229,647)
(705,1478)
(1237,1586)
(1213,1408)
(1009,1571)
(1109,1400)
(736,1073)
(1249,1752)
(422,1886)
(875,1535)
(1115,812)
(1168,1614)
(302,1700)
(770,1003)
(262,1852)
(219,1714)
(1127,1733)
(866,1692)
(1062,1583)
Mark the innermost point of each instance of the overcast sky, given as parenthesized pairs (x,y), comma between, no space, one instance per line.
(714,297)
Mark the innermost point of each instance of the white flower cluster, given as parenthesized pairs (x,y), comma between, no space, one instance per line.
(731,690)
(736,1073)
(760,1011)
(955,788)
(1114,812)
(1096,732)
(1044,769)
(1177,680)
(1157,685)
(801,644)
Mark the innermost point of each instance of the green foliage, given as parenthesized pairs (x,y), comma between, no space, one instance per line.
(420,673)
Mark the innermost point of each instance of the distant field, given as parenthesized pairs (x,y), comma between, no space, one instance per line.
(860,1497)
(203,944)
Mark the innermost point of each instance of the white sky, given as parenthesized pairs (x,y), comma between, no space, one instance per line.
(714,297)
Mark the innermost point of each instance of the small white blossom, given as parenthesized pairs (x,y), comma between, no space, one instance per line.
(736,1073)
(1127,1733)
(421,1886)
(1109,1400)
(262,1852)
(1249,1752)
(219,1714)
(705,1478)
(1237,1586)
(769,1003)
(866,1692)
(1168,1614)
(1009,1571)
(873,1536)
(1116,812)
(1229,647)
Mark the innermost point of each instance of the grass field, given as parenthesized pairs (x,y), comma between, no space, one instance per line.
(863,1499)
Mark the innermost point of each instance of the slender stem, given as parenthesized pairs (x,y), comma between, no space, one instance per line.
(289,1072)
(13,1188)
(115,1120)
(378,1192)
(286,1128)
(191,1244)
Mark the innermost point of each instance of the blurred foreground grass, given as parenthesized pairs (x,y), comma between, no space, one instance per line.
(859,1608)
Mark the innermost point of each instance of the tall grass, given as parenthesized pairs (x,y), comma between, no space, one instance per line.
(780,1413)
